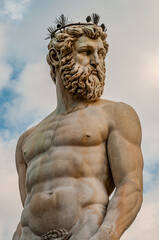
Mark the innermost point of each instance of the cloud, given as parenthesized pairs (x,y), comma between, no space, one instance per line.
(14,9)
(150,143)
(36,95)
(3,39)
(5,68)
(9,200)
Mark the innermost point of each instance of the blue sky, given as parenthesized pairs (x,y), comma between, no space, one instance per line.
(27,93)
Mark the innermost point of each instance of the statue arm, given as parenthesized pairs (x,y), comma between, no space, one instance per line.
(21,169)
(125,159)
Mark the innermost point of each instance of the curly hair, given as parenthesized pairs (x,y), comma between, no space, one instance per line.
(61,46)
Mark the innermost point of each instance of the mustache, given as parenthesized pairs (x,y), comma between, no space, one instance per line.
(94,69)
(97,71)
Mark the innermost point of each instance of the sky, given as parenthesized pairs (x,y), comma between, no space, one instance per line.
(27,93)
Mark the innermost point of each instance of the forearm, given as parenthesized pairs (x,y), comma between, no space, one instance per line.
(121,212)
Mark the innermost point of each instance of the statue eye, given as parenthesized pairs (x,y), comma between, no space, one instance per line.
(89,52)
(85,52)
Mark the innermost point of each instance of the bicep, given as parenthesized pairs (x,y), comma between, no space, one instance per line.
(125,159)
(124,151)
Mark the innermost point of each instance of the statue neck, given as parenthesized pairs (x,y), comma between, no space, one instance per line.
(67,102)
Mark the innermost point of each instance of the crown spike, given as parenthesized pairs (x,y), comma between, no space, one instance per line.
(51,29)
(58,25)
(103,27)
(62,20)
(88,19)
(95,18)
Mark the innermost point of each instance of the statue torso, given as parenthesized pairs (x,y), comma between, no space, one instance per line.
(68,175)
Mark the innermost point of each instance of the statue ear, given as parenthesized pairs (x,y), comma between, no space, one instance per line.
(53,61)
(53,56)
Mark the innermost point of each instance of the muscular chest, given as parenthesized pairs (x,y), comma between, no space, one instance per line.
(76,129)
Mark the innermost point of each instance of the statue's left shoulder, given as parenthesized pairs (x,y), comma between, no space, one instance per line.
(127,122)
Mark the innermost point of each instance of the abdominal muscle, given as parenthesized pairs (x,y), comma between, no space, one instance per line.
(70,206)
(68,193)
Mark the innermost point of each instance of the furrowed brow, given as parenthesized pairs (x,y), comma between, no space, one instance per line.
(85,47)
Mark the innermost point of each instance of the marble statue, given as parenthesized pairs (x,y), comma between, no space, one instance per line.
(87,149)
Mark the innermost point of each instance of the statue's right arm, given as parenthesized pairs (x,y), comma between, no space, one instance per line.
(21,169)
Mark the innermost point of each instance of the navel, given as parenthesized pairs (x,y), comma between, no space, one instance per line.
(50,193)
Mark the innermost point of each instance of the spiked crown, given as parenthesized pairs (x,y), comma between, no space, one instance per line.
(62,23)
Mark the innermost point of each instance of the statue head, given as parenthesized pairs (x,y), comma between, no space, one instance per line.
(78,53)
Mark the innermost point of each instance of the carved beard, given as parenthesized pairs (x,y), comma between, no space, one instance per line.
(85,82)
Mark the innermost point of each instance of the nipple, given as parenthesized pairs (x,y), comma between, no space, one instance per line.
(88,135)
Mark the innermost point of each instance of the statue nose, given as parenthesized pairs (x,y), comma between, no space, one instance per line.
(94,60)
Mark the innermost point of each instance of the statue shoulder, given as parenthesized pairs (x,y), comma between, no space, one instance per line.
(127,122)
(123,119)
(26,134)
(23,137)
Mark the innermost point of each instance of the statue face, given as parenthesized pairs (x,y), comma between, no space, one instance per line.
(89,52)
(84,74)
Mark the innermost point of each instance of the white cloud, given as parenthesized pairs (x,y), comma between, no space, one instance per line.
(152,69)
(36,94)
(148,178)
(3,39)
(5,72)
(150,143)
(10,206)
(14,9)
(5,68)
